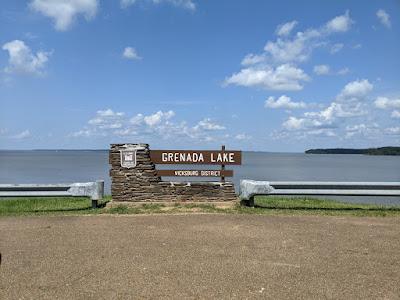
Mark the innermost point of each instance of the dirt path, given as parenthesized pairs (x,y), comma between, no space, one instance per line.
(199,256)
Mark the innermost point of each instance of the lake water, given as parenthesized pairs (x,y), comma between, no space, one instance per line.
(79,166)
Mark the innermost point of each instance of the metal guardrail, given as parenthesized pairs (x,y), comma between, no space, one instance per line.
(94,190)
(251,188)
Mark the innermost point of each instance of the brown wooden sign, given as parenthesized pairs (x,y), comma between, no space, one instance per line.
(195,173)
(196,157)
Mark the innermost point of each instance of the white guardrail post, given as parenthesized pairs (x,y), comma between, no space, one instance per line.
(251,188)
(94,190)
(99,193)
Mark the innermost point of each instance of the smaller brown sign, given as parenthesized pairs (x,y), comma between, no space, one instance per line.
(195,173)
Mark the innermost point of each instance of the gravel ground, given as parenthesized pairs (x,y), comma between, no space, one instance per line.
(199,256)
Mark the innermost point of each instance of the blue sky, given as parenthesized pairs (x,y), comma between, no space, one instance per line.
(254,75)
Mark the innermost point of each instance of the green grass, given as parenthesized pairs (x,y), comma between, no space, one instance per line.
(310,203)
(322,207)
(264,206)
(145,208)
(47,205)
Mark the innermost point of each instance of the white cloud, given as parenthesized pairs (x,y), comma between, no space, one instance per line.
(326,70)
(336,48)
(252,59)
(283,102)
(137,120)
(82,133)
(130,53)
(159,125)
(22,60)
(321,69)
(395,114)
(126,132)
(387,103)
(293,123)
(109,113)
(242,137)
(22,135)
(284,77)
(298,49)
(393,130)
(286,28)
(305,123)
(364,130)
(3,132)
(127,3)
(304,133)
(186,4)
(343,71)
(384,18)
(346,117)
(158,117)
(276,68)
(340,23)
(207,124)
(356,89)
(107,119)
(64,12)
(349,103)
(322,132)
(343,110)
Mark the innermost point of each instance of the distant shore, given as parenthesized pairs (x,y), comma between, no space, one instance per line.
(367,151)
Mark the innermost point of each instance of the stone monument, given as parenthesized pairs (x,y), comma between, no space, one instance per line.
(134,178)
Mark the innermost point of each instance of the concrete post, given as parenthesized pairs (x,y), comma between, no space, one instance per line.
(98,193)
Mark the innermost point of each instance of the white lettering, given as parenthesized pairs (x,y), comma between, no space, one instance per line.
(197,157)
(186,173)
(223,158)
(212,157)
(211,173)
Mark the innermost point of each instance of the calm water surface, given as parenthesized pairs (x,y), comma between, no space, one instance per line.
(80,166)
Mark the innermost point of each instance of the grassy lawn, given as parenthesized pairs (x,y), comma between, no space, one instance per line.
(47,205)
(264,205)
(323,206)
